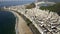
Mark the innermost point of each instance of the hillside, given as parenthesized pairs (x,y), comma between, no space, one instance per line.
(54,8)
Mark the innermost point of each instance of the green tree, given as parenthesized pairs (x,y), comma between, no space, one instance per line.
(32,5)
(54,8)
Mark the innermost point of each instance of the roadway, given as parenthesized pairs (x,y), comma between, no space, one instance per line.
(21,26)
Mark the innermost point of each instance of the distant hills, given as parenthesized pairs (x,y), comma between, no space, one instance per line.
(51,0)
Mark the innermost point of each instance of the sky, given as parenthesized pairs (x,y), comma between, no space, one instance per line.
(16,0)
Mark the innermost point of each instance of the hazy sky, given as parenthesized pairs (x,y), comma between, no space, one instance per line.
(16,0)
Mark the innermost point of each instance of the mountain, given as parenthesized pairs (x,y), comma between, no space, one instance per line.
(51,0)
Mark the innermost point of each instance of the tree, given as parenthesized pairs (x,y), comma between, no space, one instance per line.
(54,8)
(32,5)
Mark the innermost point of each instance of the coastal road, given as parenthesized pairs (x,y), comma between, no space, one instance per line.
(21,26)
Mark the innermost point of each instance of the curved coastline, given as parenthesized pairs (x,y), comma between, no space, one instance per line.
(20,26)
(8,19)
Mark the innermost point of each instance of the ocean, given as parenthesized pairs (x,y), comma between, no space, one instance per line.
(13,3)
(7,22)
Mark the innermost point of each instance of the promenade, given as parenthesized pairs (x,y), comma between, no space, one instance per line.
(21,26)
